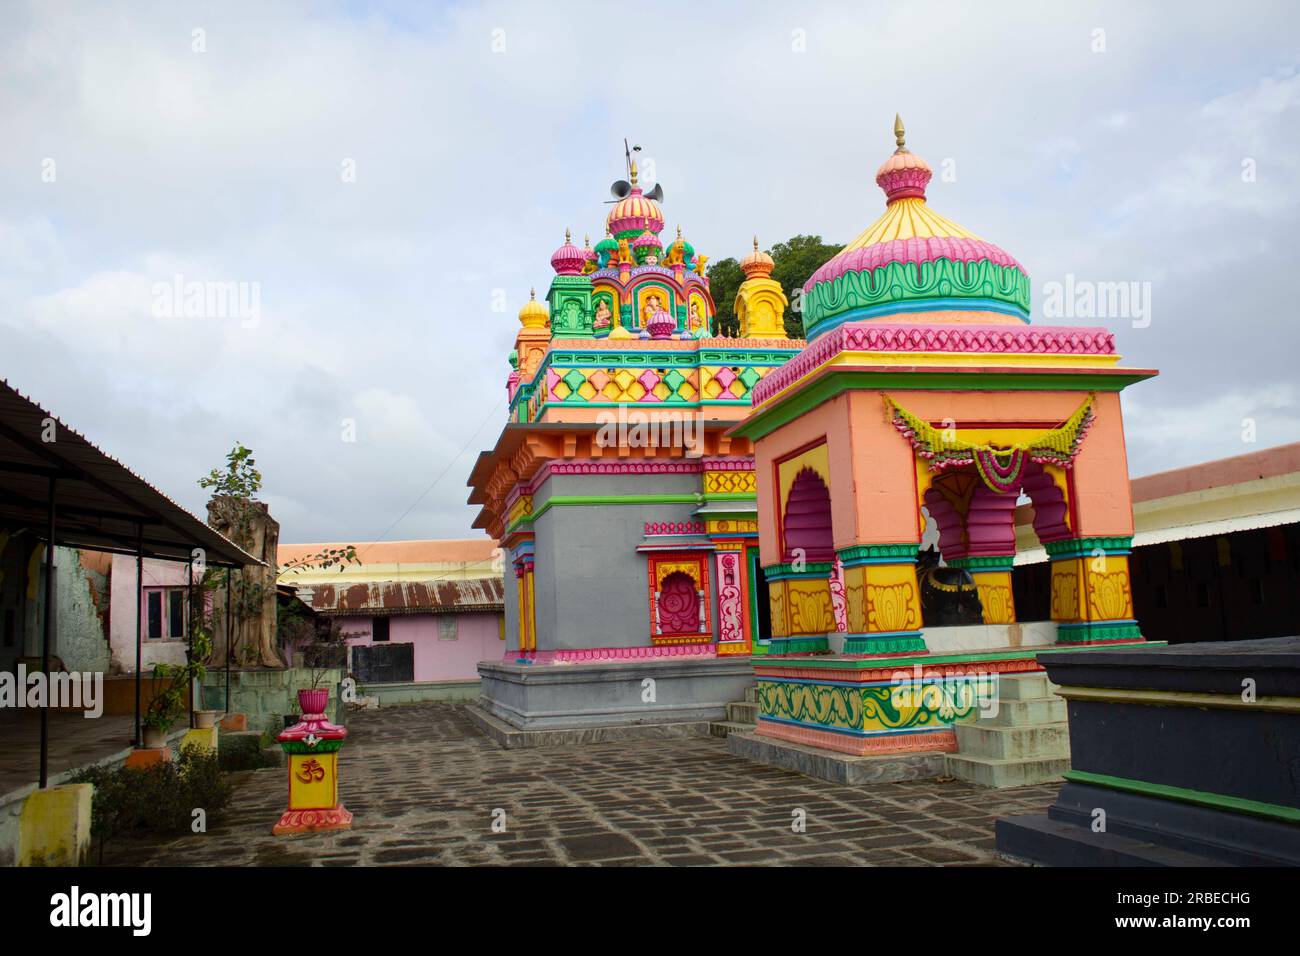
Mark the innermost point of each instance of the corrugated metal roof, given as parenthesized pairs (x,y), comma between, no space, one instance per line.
(1185,532)
(101,504)
(406,597)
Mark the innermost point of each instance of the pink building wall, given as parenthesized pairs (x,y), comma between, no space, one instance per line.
(478,638)
(123,622)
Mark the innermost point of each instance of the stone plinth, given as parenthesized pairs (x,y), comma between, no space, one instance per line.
(652,691)
(1181,755)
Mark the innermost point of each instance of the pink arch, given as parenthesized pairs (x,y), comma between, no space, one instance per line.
(807,522)
(1050,508)
(952,537)
(991,522)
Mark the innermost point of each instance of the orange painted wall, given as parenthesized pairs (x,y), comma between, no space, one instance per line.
(873,478)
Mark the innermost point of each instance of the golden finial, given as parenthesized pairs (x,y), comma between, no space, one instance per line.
(586,241)
(679,231)
(633,172)
(532,294)
(899,134)
(567,235)
(756,243)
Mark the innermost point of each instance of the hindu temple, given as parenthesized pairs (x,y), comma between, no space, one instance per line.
(625,510)
(925,396)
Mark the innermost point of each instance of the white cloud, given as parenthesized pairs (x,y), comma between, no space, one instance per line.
(376,295)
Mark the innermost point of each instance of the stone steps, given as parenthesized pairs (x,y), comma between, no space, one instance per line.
(1022,743)
(1027,741)
(742,716)
(1026,713)
(743,713)
(724,728)
(1002,772)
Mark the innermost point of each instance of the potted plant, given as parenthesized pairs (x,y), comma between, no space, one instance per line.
(326,652)
(167,703)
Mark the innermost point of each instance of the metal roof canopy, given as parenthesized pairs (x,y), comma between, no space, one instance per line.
(102,505)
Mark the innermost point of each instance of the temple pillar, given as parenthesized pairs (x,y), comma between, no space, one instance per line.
(525,592)
(799,594)
(1092,599)
(882,598)
(992,575)
(733,591)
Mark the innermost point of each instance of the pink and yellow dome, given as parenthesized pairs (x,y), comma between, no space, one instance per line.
(568,260)
(912,259)
(635,213)
(757,264)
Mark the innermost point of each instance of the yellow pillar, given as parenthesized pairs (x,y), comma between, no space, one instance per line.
(760,302)
(882,598)
(1092,597)
(992,576)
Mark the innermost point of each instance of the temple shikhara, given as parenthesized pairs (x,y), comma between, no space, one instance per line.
(804,519)
(625,509)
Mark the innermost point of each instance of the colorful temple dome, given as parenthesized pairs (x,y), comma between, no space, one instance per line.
(913,260)
(568,260)
(533,315)
(757,264)
(635,213)
(645,246)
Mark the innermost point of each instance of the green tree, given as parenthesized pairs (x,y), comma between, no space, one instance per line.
(725,278)
(796,260)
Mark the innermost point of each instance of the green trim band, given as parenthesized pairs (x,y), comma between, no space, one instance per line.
(1203,798)
(596,500)
(798,403)
(906,282)
(1084,632)
(785,572)
(1087,547)
(840,663)
(984,562)
(323,747)
(865,644)
(877,554)
(797,645)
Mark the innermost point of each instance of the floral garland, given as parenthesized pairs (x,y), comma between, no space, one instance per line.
(1001,468)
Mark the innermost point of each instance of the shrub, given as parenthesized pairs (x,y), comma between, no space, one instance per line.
(160,799)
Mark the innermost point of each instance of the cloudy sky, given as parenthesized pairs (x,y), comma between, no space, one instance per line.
(391,178)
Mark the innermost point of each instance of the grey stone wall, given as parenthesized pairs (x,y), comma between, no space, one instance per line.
(590,581)
(81,637)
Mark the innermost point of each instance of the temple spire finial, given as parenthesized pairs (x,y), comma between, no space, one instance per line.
(899,134)
(632,171)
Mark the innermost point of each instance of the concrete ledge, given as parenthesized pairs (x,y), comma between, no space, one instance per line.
(55,826)
(635,693)
(1037,839)
(417,692)
(512,738)
(836,767)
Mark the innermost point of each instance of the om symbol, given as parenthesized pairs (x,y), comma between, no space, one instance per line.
(311,770)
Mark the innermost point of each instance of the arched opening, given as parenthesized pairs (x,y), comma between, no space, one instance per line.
(806,524)
(679,605)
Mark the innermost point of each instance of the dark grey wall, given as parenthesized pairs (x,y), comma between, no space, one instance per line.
(591,582)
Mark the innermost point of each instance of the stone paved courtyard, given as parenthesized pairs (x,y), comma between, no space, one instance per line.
(423,784)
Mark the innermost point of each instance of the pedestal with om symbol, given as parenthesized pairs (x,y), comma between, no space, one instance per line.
(313,746)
